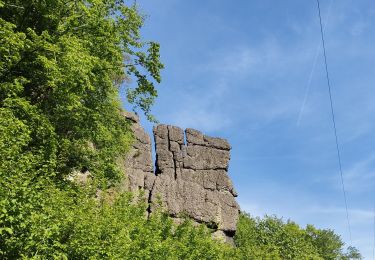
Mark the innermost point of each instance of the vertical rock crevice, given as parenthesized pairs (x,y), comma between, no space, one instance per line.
(173,153)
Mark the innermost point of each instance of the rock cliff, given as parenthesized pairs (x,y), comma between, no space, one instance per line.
(190,177)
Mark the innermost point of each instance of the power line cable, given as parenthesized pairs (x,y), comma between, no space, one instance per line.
(373,248)
(334,122)
(317,52)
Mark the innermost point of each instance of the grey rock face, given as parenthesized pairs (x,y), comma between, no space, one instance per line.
(138,163)
(192,179)
(189,180)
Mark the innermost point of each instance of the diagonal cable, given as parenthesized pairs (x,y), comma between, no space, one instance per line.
(373,248)
(334,122)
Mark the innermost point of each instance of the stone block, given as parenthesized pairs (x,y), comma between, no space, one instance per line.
(194,137)
(217,143)
(176,134)
(205,158)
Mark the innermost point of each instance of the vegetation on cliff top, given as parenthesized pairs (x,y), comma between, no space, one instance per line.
(62,63)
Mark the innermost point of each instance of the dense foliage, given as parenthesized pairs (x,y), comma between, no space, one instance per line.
(72,225)
(271,238)
(62,63)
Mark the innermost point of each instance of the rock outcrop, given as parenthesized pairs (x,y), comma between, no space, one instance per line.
(190,178)
(139,166)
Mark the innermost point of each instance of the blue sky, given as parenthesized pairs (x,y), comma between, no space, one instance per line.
(252,72)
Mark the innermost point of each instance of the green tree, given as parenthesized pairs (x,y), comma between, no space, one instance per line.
(328,244)
(352,253)
(65,60)
(271,238)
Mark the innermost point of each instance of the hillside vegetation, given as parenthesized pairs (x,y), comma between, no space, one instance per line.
(62,64)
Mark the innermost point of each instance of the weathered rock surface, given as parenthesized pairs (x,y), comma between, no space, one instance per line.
(138,162)
(190,179)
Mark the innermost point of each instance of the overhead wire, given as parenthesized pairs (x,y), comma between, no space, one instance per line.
(334,122)
(373,246)
(312,71)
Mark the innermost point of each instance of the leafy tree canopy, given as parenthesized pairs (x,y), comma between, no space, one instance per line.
(62,63)
(271,238)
